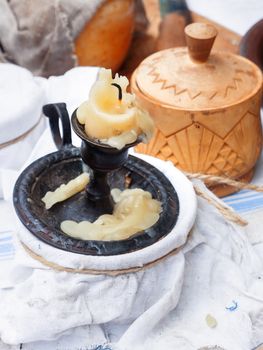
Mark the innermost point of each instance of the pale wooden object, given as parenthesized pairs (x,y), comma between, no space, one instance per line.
(171,31)
(146,42)
(200,38)
(106,38)
(206,114)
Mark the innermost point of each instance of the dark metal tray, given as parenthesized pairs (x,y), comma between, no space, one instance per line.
(49,172)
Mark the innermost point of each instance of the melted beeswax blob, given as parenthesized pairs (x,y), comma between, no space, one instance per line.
(135,210)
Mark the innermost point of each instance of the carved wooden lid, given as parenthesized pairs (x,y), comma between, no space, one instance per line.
(190,78)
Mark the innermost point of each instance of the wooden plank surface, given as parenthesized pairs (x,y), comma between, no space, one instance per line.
(146,42)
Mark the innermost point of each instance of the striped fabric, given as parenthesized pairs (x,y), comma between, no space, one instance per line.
(6,246)
(245,201)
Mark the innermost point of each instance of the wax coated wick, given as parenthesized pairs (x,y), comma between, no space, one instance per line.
(120,90)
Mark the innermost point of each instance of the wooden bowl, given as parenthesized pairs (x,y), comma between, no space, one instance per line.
(106,38)
(206,108)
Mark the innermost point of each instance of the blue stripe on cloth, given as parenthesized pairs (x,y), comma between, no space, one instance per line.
(5,239)
(10,252)
(6,245)
(6,248)
(241,194)
(252,199)
(7,257)
(245,201)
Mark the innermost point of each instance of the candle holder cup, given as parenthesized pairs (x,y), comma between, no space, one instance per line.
(102,159)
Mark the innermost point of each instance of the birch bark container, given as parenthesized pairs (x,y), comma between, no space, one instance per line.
(206,107)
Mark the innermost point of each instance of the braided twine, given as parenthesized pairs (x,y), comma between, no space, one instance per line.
(21,137)
(227,212)
(118,272)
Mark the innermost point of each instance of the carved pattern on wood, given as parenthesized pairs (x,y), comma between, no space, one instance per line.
(234,86)
(165,85)
(198,149)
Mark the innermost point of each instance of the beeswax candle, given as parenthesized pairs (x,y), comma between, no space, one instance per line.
(111,114)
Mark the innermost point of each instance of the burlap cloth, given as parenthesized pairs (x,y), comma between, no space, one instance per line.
(39,35)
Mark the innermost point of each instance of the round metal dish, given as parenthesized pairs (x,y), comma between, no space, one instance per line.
(49,172)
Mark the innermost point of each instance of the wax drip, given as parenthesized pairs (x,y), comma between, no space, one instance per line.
(120,90)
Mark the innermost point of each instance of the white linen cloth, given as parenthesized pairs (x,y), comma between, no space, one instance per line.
(22,97)
(21,122)
(224,265)
(70,300)
(217,266)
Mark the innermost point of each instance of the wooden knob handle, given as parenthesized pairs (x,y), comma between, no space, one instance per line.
(199,39)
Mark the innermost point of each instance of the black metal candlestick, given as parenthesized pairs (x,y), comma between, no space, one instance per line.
(101,158)
(110,167)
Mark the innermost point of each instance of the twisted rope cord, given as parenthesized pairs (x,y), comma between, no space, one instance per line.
(228,213)
(224,181)
(117,272)
(21,137)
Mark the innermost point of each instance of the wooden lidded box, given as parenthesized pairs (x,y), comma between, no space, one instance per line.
(206,107)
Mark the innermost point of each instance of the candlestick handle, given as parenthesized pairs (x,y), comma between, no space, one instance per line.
(200,38)
(54,112)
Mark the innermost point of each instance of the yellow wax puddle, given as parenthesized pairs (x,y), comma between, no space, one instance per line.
(135,210)
(120,141)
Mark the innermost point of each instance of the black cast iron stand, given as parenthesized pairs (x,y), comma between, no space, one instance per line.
(101,158)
